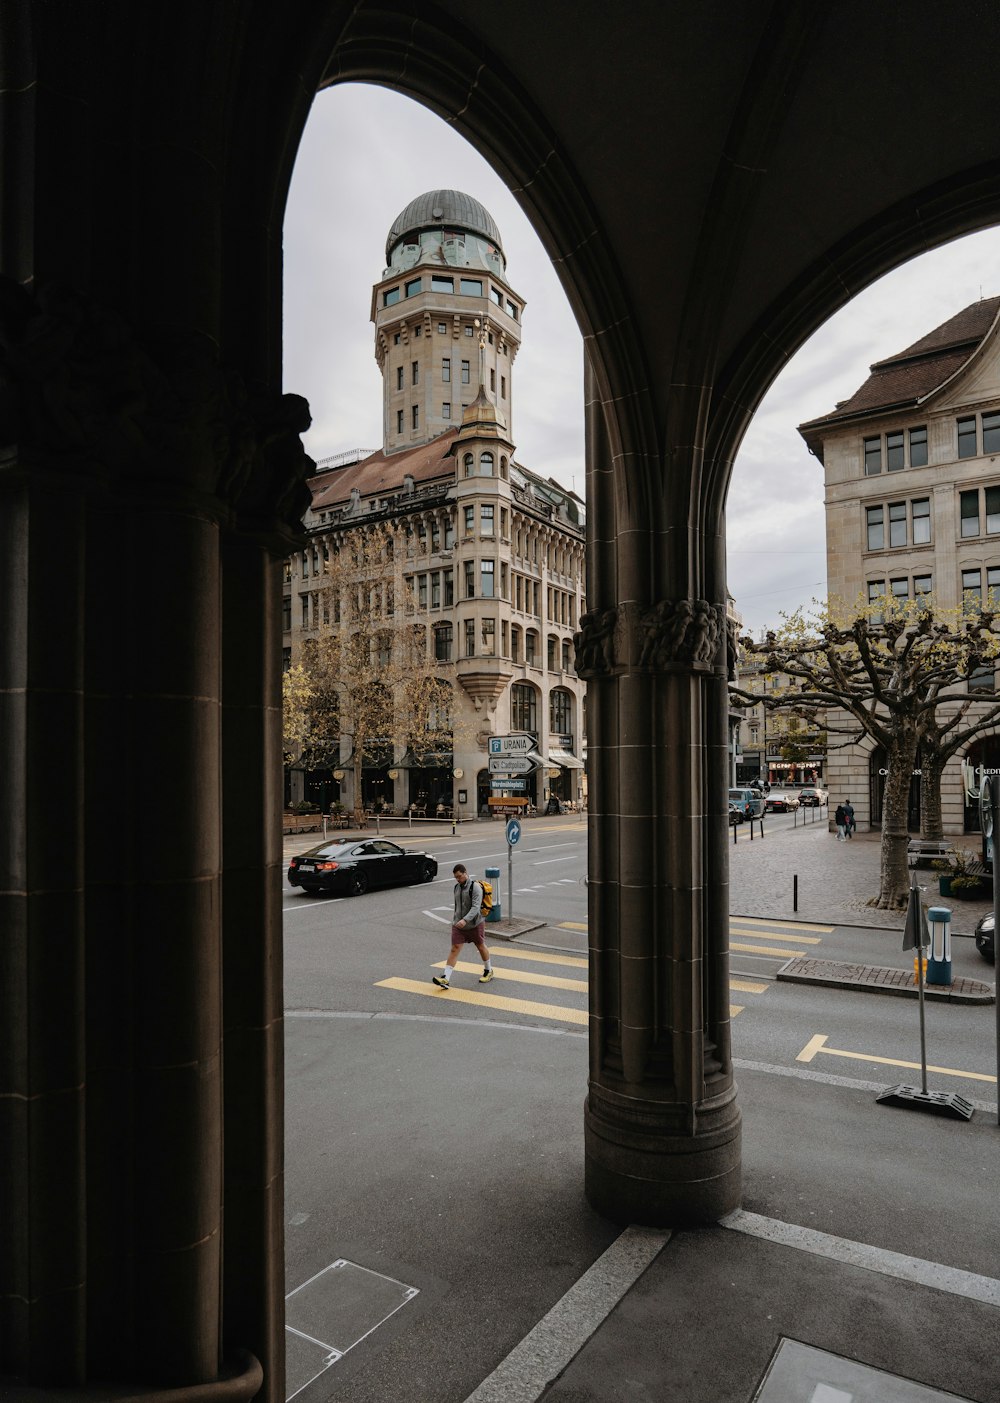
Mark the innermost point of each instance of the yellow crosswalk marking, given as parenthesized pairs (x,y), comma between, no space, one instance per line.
(573,925)
(747,925)
(748,986)
(544,958)
(777,921)
(764,950)
(763,934)
(818,1044)
(520,976)
(469,996)
(734,1009)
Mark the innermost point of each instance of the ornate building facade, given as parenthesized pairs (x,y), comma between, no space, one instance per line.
(493,558)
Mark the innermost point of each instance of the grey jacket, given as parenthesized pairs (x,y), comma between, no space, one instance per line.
(468,903)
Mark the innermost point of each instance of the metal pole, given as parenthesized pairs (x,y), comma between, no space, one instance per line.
(923,1041)
(795,892)
(994,839)
(510,881)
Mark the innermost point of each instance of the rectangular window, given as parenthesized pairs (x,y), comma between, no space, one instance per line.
(552,655)
(446,410)
(969,509)
(992,587)
(503,387)
(305,610)
(918,448)
(517,591)
(503,580)
(493,380)
(487,575)
(991,433)
(422,591)
(443,328)
(537,592)
(486,518)
(920,510)
(470,521)
(876,535)
(565,656)
(515,645)
(470,638)
(399,421)
(442,643)
(993,509)
(442,284)
(415,373)
(876,594)
(529,648)
(465,372)
(436,590)
(894,452)
(418,331)
(449,533)
(489,638)
(413,287)
(305,565)
(286,613)
(504,522)
(446,369)
(415,415)
(449,589)
(900,589)
(967,444)
(471,287)
(897,523)
(470,579)
(469,331)
(511,310)
(922,584)
(873,457)
(391,296)
(972,591)
(497,296)
(504,650)
(399,377)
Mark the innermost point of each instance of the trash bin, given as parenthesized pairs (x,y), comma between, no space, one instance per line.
(939,963)
(492,875)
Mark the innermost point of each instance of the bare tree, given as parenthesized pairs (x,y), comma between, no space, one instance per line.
(371,674)
(897,672)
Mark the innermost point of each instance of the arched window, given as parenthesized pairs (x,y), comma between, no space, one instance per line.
(561,711)
(523,707)
(486,464)
(443,643)
(503,468)
(468,463)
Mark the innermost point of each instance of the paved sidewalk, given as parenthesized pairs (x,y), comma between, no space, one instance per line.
(876,979)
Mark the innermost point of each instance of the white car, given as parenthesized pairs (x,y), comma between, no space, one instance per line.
(779,802)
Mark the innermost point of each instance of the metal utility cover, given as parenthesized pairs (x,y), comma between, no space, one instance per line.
(331,1313)
(799,1373)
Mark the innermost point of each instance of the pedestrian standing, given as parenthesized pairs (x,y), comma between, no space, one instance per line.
(840,818)
(467,927)
(849,816)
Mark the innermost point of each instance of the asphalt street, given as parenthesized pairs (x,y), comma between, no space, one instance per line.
(434,1162)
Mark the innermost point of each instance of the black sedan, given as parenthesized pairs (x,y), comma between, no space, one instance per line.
(353,866)
(986,939)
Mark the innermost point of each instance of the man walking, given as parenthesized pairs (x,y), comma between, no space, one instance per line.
(849,825)
(840,818)
(467,927)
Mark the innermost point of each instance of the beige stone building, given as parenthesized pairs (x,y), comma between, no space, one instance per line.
(494,553)
(912,478)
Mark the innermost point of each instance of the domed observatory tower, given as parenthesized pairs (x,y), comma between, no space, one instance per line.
(443,291)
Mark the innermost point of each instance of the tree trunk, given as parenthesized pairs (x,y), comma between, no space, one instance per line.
(931,769)
(894,876)
(359,801)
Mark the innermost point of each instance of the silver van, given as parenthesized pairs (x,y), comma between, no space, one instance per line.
(750,800)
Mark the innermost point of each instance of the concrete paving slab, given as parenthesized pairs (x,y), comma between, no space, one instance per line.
(877,979)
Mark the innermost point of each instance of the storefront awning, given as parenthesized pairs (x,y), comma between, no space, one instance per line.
(566,759)
(430,760)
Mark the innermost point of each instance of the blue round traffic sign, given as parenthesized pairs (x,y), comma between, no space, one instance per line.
(513,831)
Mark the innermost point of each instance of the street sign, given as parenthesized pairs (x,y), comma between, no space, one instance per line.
(513,831)
(515,786)
(507,802)
(517,744)
(511,764)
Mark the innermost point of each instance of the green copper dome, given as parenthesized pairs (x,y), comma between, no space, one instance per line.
(439,209)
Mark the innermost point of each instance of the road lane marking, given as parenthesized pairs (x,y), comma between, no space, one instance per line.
(764,950)
(573,961)
(547,861)
(521,976)
(759,932)
(748,986)
(467,996)
(528,1007)
(818,1044)
(573,925)
(734,929)
(446,920)
(786,925)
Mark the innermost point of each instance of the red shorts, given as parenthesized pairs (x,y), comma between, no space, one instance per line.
(468,935)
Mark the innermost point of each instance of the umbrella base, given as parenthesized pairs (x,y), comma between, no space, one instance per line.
(939,1103)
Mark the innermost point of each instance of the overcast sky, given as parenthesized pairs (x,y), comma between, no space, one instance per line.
(367,152)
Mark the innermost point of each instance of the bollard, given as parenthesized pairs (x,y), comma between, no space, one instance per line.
(795,892)
(492,875)
(939,964)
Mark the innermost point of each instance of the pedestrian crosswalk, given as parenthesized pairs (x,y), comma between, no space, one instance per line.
(560,981)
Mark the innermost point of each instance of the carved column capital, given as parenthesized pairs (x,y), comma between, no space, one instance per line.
(595,643)
(680,633)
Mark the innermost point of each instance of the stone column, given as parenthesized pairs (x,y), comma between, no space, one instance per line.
(661,1124)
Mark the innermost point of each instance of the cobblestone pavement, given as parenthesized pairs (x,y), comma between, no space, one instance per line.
(838,974)
(836,880)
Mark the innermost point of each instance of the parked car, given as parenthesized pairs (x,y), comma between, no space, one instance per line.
(752,802)
(736,814)
(813,797)
(986,938)
(353,866)
(780,803)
